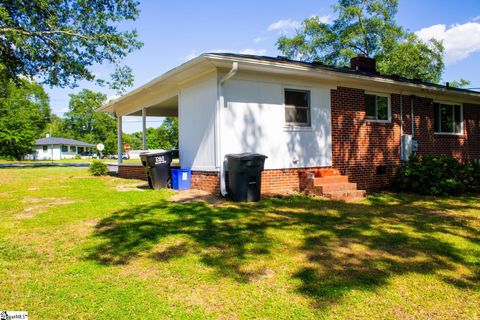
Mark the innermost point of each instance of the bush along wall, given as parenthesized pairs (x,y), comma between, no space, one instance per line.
(98,168)
(435,175)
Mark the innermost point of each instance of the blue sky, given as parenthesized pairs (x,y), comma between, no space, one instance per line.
(175,31)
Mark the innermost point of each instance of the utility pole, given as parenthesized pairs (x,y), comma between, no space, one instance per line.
(51,146)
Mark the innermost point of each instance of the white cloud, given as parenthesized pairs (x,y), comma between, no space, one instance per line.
(63,110)
(284,25)
(257,52)
(258,39)
(325,18)
(477,18)
(460,40)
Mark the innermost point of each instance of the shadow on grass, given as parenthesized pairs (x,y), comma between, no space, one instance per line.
(347,245)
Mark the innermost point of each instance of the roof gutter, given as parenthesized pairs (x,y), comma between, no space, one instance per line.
(218,125)
(360,79)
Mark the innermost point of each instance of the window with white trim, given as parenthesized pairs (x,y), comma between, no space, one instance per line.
(377,107)
(64,148)
(448,118)
(297,107)
(45,148)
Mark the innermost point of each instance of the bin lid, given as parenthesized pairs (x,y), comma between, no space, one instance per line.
(246,156)
(156,153)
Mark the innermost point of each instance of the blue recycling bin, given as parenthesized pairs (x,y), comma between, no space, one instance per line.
(181,179)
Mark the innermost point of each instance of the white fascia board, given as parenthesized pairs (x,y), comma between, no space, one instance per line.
(344,79)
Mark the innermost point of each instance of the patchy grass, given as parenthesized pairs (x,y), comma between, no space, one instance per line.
(78,161)
(98,248)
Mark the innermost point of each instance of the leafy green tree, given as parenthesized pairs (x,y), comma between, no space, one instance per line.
(367,27)
(462,83)
(86,124)
(24,113)
(59,41)
(133,139)
(165,136)
(414,59)
(57,127)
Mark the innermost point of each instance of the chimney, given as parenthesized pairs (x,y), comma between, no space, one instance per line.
(363,64)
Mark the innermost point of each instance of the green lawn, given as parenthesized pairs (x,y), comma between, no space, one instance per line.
(76,161)
(78,247)
(136,161)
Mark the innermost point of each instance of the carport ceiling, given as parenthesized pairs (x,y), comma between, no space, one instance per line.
(166,108)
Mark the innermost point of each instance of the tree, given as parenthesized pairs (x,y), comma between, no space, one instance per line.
(367,27)
(86,124)
(462,83)
(59,41)
(134,140)
(164,137)
(414,59)
(24,113)
(57,127)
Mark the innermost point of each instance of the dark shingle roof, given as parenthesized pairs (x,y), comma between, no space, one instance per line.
(321,66)
(64,141)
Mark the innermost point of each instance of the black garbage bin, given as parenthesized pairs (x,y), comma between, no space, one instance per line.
(244,171)
(157,168)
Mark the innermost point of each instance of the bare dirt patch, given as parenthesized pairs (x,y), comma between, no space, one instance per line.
(193,195)
(34,206)
(130,187)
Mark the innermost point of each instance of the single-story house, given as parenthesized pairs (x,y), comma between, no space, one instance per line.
(51,148)
(306,117)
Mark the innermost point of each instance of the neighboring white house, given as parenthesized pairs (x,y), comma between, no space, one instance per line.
(59,148)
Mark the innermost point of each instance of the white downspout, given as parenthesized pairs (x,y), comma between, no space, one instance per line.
(218,142)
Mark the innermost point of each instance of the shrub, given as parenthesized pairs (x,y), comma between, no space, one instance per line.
(436,176)
(77,156)
(98,168)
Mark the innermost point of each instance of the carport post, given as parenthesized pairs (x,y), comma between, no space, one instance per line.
(119,139)
(144,129)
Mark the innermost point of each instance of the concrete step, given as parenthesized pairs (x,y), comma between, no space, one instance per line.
(331,179)
(347,195)
(327,172)
(332,187)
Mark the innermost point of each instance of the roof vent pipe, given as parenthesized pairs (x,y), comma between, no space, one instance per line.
(218,142)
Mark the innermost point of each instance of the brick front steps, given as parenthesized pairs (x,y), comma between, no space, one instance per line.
(331,184)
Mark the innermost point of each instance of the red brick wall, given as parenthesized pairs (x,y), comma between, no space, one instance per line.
(202,180)
(284,181)
(359,147)
(132,172)
(463,147)
(206,180)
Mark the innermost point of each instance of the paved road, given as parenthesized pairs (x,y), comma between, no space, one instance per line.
(111,166)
